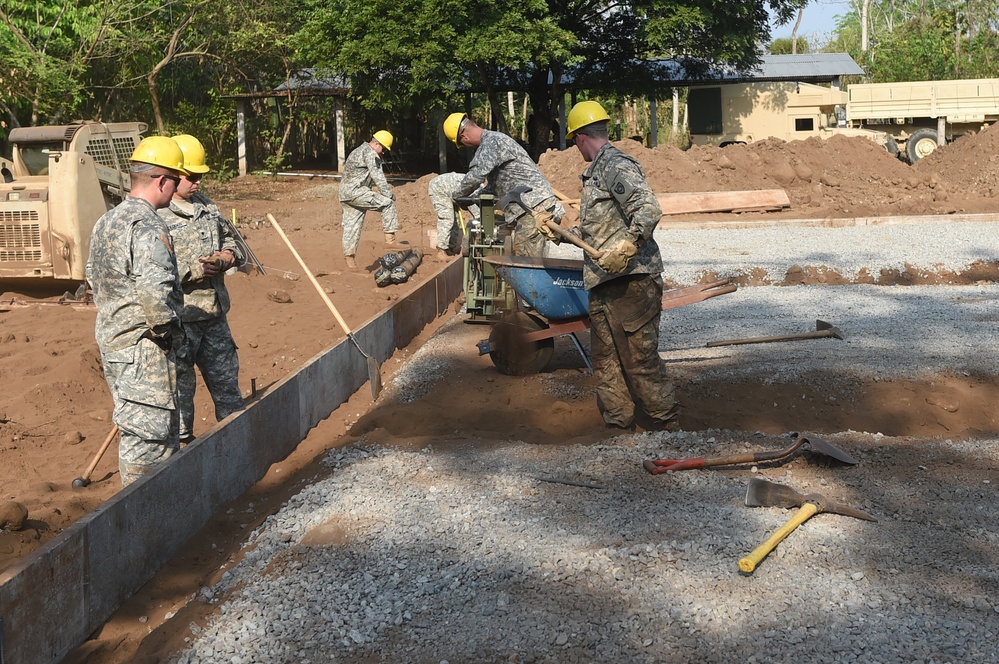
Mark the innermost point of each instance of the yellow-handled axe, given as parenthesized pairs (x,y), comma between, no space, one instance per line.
(762,493)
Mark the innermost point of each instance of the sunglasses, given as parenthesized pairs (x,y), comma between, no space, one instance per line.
(172,178)
(194,177)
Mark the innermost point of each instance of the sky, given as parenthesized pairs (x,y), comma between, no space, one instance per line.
(819,17)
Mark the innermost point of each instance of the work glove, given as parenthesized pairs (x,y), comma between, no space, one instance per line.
(218,262)
(541,220)
(615,258)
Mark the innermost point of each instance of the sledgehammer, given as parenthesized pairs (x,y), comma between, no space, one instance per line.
(822,329)
(84,480)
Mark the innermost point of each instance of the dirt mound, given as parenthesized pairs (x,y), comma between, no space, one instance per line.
(970,164)
(837,177)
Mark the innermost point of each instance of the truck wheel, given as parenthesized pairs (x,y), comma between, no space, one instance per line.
(921,143)
(891,145)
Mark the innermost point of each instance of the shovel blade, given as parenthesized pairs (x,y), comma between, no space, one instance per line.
(374,377)
(820,446)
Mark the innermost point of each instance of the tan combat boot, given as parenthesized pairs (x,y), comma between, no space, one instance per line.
(351,263)
(390,238)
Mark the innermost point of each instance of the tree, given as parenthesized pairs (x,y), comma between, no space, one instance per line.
(923,40)
(395,52)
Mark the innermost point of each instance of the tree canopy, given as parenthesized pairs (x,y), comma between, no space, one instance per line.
(429,49)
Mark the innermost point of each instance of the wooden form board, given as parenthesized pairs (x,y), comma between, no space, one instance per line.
(723,201)
(712,201)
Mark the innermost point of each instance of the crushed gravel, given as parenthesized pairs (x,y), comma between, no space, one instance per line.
(461,554)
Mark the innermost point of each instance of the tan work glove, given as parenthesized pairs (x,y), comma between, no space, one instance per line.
(541,219)
(615,258)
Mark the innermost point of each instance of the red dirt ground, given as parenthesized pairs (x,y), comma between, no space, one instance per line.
(55,407)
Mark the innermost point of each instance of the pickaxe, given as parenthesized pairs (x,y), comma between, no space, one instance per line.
(762,493)
(822,329)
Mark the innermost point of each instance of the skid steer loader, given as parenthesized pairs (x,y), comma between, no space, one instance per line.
(58,183)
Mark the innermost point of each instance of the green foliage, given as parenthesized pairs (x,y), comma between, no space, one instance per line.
(916,40)
(394,52)
(783,46)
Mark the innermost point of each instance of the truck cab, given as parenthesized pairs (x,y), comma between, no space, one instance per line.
(733,113)
(57,184)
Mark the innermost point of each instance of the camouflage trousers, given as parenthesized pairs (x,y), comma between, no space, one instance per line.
(353,218)
(143,382)
(527,239)
(211,348)
(624,349)
(448,230)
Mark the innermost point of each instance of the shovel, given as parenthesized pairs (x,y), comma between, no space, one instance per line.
(374,371)
(815,445)
(762,493)
(822,329)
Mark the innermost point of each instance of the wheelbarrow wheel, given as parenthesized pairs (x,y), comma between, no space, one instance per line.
(512,354)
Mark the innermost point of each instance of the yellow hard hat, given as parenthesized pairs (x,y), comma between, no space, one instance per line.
(582,114)
(385,138)
(194,153)
(453,125)
(160,151)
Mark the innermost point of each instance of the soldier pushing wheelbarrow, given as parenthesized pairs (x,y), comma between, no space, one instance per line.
(622,275)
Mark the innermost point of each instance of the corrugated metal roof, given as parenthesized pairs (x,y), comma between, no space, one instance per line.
(806,66)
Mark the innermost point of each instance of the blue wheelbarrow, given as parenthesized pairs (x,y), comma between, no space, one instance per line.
(523,342)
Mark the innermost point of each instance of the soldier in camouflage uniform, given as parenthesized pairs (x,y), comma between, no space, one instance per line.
(205,247)
(362,174)
(133,274)
(506,165)
(441,190)
(618,214)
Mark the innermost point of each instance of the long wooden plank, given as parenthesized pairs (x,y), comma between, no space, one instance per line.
(723,201)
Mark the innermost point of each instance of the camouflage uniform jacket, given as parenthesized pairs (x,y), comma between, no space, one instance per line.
(198,230)
(361,171)
(501,161)
(133,273)
(618,203)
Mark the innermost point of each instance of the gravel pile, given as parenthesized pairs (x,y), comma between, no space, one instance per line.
(470,556)
(575,554)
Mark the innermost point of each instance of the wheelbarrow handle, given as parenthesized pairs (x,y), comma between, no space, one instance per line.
(679,297)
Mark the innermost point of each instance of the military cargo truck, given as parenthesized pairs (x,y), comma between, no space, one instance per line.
(58,183)
(917,114)
(746,112)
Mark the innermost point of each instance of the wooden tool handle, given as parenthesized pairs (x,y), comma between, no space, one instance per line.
(762,340)
(805,512)
(308,272)
(574,239)
(100,452)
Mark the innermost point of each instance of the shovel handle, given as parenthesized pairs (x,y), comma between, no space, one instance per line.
(805,512)
(762,340)
(750,457)
(308,273)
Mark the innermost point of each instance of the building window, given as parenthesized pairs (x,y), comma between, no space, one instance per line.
(804,124)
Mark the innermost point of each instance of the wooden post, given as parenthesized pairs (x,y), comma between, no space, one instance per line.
(341,136)
(561,122)
(241,135)
(653,124)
